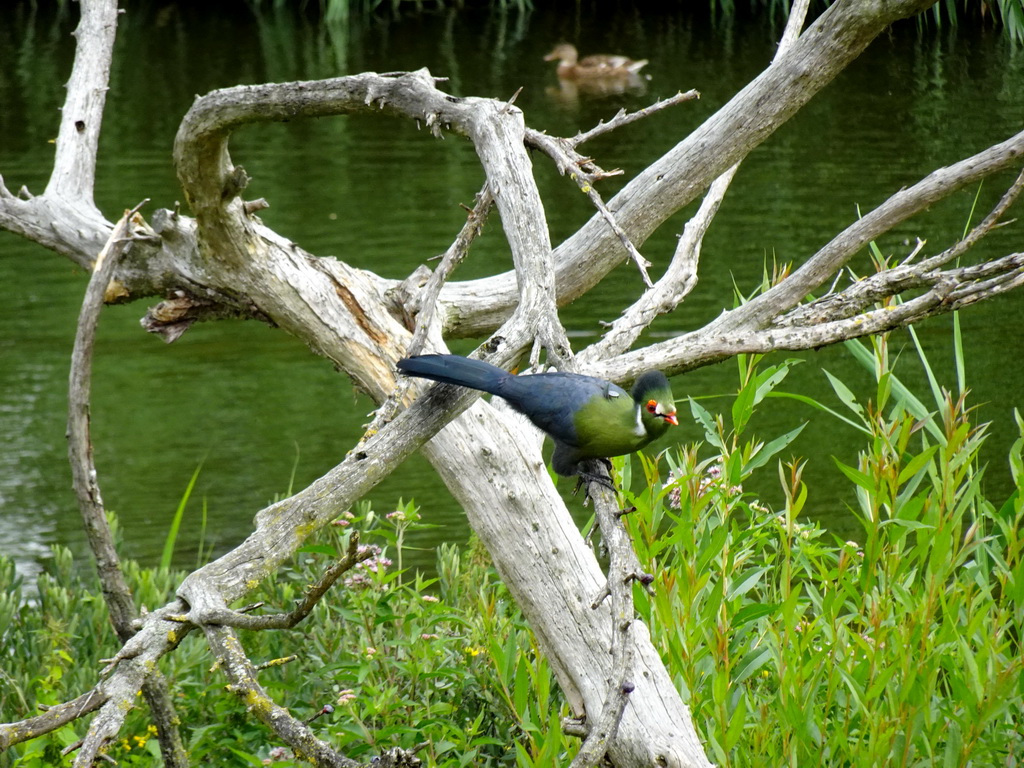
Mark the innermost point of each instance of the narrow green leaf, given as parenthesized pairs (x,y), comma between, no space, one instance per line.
(958,355)
(855,688)
(752,612)
(821,407)
(918,463)
(747,583)
(859,478)
(737,721)
(319,549)
(769,379)
(973,672)
(705,419)
(881,681)
(720,755)
(172,533)
(247,758)
(523,759)
(770,449)
(914,525)
(933,382)
(743,407)
(751,663)
(844,393)
(954,744)
(713,548)
(861,353)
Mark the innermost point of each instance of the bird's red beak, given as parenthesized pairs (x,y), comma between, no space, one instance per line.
(671,419)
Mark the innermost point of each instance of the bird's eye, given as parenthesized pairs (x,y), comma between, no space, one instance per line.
(652,406)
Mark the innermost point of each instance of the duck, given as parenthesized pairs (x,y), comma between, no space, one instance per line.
(596,66)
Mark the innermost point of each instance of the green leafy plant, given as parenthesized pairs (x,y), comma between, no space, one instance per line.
(794,649)
(388,658)
(791,647)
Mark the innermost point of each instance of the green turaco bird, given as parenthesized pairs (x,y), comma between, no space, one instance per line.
(586,417)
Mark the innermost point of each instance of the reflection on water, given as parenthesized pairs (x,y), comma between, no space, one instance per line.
(251,405)
(569,92)
(25,462)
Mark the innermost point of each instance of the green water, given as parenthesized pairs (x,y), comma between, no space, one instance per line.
(253,406)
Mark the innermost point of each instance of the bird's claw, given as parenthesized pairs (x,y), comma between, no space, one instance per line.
(586,475)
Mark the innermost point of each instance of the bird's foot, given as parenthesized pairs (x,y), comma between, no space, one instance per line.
(596,471)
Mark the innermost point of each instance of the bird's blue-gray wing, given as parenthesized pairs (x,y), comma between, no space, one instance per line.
(552,400)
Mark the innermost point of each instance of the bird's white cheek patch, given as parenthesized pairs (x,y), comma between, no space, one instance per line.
(639,422)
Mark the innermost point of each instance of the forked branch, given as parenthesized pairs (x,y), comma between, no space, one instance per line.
(681,276)
(225,617)
(86,484)
(586,173)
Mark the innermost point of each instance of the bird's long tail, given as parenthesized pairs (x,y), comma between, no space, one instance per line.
(453,369)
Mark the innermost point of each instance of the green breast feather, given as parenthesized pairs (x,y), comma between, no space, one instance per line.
(610,426)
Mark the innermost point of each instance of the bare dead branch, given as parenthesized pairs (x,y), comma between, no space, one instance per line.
(497,131)
(583,171)
(623,118)
(74,165)
(795,22)
(842,316)
(53,718)
(567,160)
(574,726)
(622,568)
(641,263)
(950,290)
(481,442)
(758,312)
(984,227)
(278,663)
(226,617)
(121,692)
(681,276)
(114,696)
(418,298)
(674,286)
(426,301)
(908,275)
(826,48)
(563,151)
(86,484)
(975,285)
(241,674)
